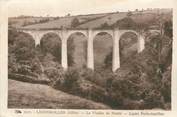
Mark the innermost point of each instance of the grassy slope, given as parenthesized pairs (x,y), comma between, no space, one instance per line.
(65,21)
(18,22)
(26,95)
(110,19)
(96,20)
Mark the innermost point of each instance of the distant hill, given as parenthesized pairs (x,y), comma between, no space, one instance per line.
(53,22)
(22,21)
(91,20)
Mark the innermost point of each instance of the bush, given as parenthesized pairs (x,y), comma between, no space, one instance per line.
(126,23)
(51,43)
(71,78)
(90,90)
(153,99)
(108,60)
(129,13)
(54,75)
(68,81)
(78,82)
(105,26)
(166,85)
(75,22)
(168,28)
(71,49)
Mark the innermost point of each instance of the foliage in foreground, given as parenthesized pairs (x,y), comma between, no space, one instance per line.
(143,83)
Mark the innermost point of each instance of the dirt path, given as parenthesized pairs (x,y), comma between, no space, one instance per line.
(27,95)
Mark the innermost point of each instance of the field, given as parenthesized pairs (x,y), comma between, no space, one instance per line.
(55,22)
(91,20)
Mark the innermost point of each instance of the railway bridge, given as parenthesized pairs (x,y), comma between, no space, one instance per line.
(64,34)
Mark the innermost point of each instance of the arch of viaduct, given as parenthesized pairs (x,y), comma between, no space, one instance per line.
(90,34)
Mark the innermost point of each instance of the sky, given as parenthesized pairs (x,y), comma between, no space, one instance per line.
(77,7)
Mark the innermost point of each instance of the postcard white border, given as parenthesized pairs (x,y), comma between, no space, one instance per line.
(5,112)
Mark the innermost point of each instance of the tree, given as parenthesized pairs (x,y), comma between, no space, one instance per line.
(71,49)
(108,60)
(51,43)
(129,14)
(68,14)
(168,28)
(24,47)
(75,22)
(125,23)
(105,25)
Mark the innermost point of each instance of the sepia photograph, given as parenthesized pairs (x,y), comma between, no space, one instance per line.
(113,60)
(89,55)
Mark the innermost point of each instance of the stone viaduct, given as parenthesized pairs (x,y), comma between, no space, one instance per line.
(64,34)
